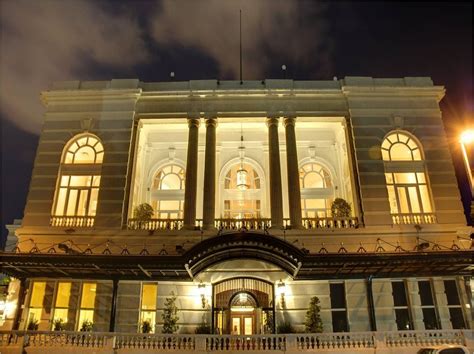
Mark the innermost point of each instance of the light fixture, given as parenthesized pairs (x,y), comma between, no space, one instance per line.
(467,148)
(281,290)
(202,293)
(242,172)
(467,137)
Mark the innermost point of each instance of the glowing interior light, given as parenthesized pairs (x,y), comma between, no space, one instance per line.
(467,137)
(243,297)
(242,178)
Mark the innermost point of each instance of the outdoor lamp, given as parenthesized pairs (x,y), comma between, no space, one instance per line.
(467,147)
(202,292)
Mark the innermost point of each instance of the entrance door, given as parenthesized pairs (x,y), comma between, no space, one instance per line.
(243,324)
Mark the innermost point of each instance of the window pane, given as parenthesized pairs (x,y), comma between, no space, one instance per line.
(85,315)
(80,181)
(403,320)
(149,296)
(85,154)
(339,321)
(451,292)
(71,203)
(37,294)
(61,201)
(385,155)
(421,177)
(63,294)
(64,181)
(60,314)
(169,205)
(414,202)
(389,178)
(399,294)
(315,204)
(81,208)
(406,178)
(313,180)
(95,181)
(429,318)
(337,296)
(425,199)
(93,202)
(403,200)
(88,295)
(400,152)
(149,316)
(392,199)
(426,296)
(416,155)
(457,319)
(171,181)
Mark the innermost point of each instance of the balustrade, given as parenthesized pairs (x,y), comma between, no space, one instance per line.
(245,343)
(72,221)
(335,341)
(423,338)
(412,219)
(155,342)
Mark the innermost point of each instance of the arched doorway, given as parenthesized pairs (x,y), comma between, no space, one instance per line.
(243,306)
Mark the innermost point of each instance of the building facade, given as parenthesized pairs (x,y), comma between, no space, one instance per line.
(243,200)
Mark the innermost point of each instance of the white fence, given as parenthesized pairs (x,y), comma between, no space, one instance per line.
(348,342)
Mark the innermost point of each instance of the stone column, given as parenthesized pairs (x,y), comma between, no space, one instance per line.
(294,194)
(209,197)
(276,201)
(191,174)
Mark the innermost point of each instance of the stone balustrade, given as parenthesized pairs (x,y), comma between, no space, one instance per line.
(413,219)
(72,221)
(55,342)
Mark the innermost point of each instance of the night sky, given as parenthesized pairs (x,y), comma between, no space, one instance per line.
(45,41)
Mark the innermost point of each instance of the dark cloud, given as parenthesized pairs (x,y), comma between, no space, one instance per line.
(272,30)
(52,40)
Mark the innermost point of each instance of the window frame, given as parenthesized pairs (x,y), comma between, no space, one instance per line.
(326,193)
(406,307)
(339,309)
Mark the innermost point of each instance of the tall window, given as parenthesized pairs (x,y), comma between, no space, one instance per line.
(454,304)
(317,192)
(242,193)
(338,307)
(148,306)
(402,310)
(38,291)
(86,310)
(61,308)
(167,192)
(407,185)
(430,317)
(78,182)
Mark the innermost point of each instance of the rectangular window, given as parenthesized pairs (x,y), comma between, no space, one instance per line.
(38,291)
(77,196)
(86,311)
(402,310)
(148,306)
(430,317)
(454,304)
(61,307)
(338,307)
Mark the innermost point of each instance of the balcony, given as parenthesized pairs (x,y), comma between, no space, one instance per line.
(72,221)
(248,224)
(414,219)
(342,342)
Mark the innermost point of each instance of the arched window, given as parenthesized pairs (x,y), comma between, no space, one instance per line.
(167,192)
(242,193)
(317,192)
(78,182)
(407,185)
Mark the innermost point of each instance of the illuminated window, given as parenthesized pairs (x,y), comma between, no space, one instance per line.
(167,192)
(79,179)
(148,306)
(61,308)
(317,192)
(38,291)
(242,193)
(86,310)
(407,184)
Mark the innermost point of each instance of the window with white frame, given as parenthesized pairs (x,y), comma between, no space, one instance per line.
(401,306)
(317,192)
(62,303)
(148,307)
(430,315)
(167,192)
(242,193)
(407,184)
(79,178)
(87,306)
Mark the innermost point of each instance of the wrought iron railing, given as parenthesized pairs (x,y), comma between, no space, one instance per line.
(414,218)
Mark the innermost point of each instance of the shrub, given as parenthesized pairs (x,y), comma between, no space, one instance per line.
(146,326)
(143,212)
(59,325)
(87,326)
(313,322)
(340,208)
(32,325)
(170,315)
(203,328)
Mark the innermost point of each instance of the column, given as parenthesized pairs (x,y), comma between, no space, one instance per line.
(209,197)
(191,174)
(276,202)
(294,194)
(113,308)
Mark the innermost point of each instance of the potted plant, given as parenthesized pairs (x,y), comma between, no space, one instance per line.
(340,208)
(59,325)
(87,326)
(32,325)
(146,326)
(143,213)
(313,322)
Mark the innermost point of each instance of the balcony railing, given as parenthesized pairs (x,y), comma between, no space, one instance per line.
(412,219)
(72,221)
(248,224)
(59,342)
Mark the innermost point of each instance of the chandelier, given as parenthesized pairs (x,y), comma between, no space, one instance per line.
(242,172)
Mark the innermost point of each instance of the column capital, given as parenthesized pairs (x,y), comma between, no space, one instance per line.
(272,120)
(193,121)
(289,120)
(211,121)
